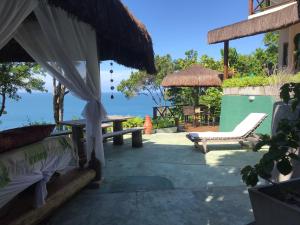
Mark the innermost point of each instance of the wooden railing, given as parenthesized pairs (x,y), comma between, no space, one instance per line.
(203,116)
(256,6)
(164,111)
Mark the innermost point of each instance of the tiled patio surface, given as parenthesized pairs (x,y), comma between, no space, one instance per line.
(167,182)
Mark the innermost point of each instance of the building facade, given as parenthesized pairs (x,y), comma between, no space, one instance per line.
(266,16)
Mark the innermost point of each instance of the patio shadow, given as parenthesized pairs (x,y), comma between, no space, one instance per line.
(166,182)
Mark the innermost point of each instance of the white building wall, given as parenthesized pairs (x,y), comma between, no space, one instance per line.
(287,36)
(283,38)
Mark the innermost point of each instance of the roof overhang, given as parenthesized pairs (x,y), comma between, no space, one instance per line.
(120,36)
(265,23)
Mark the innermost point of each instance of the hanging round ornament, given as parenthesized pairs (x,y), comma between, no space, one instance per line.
(112,87)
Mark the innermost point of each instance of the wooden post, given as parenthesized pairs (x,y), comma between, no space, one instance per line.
(137,139)
(118,126)
(104,131)
(95,164)
(77,136)
(226,53)
(196,103)
(154,112)
(251,7)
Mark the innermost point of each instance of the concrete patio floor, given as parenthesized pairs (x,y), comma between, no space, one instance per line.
(167,182)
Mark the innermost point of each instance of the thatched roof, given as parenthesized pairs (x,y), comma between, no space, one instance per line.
(194,76)
(120,36)
(265,23)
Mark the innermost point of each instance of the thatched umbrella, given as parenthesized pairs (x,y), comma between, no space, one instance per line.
(194,76)
(120,36)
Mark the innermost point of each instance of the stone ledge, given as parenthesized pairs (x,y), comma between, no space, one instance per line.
(262,90)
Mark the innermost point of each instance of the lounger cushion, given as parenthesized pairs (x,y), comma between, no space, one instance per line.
(212,135)
(247,126)
(249,123)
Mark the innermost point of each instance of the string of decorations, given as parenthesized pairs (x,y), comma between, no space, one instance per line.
(112,87)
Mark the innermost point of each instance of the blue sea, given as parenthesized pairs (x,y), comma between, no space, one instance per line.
(37,107)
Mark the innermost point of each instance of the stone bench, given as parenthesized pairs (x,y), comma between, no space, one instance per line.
(104,126)
(137,139)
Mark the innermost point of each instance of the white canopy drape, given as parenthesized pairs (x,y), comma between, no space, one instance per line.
(12,14)
(67,49)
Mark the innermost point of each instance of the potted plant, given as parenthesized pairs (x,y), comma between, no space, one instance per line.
(277,203)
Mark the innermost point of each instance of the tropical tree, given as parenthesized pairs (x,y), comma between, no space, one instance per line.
(271,42)
(263,61)
(142,83)
(260,63)
(59,93)
(211,63)
(191,58)
(15,77)
(212,99)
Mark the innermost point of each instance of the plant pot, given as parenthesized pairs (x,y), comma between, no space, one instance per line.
(269,210)
(148,125)
(166,130)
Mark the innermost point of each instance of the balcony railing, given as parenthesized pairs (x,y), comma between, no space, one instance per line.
(256,6)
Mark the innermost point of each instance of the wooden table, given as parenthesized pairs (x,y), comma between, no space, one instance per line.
(78,133)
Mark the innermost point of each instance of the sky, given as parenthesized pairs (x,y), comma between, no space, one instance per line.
(177,26)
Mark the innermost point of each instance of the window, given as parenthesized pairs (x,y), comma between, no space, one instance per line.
(285,54)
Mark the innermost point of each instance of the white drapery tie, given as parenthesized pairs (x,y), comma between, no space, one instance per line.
(94,108)
(94,113)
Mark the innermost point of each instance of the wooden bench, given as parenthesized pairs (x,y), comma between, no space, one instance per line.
(137,139)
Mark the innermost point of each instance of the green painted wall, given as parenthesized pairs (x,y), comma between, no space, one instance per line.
(236,108)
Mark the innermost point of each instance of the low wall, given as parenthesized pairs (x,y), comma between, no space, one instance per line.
(261,91)
(236,107)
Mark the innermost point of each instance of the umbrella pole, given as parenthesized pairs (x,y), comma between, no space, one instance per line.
(196,103)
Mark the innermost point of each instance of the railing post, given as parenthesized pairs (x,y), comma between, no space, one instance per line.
(154,112)
(251,7)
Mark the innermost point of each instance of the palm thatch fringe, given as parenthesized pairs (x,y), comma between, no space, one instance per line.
(194,76)
(120,36)
(269,22)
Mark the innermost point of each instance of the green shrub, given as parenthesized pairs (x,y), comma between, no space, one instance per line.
(212,99)
(163,123)
(257,81)
(134,122)
(253,81)
(295,78)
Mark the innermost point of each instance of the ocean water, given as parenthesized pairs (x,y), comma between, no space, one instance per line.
(37,107)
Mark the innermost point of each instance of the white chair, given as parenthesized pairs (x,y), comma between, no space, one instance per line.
(240,132)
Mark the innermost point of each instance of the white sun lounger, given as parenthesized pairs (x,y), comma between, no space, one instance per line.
(240,132)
